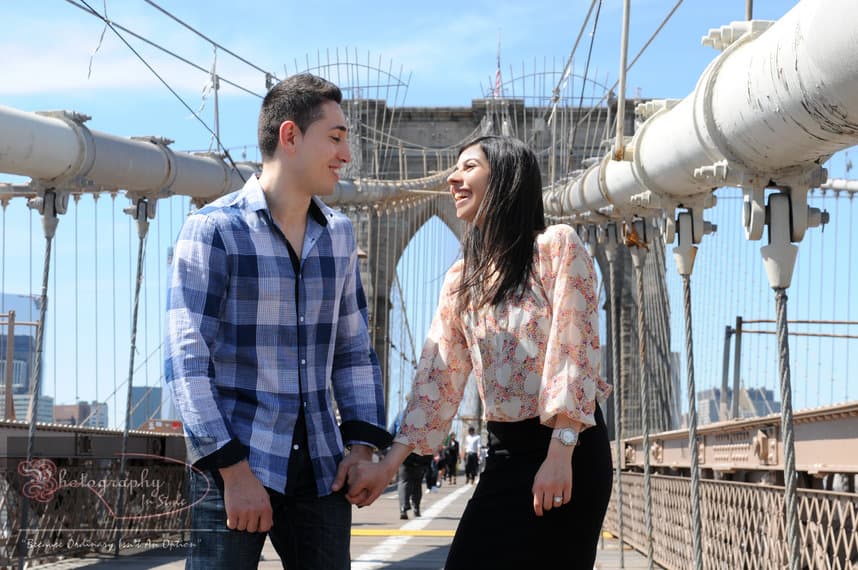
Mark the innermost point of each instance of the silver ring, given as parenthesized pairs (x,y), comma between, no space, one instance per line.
(558,500)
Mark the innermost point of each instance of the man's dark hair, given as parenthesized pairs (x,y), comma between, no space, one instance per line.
(298,98)
(498,257)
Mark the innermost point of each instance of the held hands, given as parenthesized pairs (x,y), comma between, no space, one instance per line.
(552,486)
(366,481)
(248,506)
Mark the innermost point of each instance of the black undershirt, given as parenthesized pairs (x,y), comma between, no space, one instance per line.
(300,480)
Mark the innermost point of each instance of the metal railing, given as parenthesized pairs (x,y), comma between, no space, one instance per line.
(743,524)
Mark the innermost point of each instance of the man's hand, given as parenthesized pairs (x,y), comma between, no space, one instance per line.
(248,506)
(349,476)
(367,480)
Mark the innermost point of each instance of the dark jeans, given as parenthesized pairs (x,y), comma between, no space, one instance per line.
(309,532)
(499,529)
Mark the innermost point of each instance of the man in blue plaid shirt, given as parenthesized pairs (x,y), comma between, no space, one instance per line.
(266,327)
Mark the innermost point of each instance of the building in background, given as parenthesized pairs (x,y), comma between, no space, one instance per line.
(23,360)
(145,405)
(753,402)
(21,405)
(168,408)
(84,414)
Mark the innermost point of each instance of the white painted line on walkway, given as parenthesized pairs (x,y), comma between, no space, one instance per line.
(380,556)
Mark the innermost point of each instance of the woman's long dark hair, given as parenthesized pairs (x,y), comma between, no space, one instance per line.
(498,255)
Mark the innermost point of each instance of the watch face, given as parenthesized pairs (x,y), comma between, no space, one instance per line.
(567,436)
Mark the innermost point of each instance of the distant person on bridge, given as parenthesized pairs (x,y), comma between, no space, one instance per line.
(520,311)
(472,456)
(266,320)
(451,454)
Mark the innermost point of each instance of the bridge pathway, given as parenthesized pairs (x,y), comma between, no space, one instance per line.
(380,541)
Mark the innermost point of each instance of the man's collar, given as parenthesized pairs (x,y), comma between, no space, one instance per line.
(255,196)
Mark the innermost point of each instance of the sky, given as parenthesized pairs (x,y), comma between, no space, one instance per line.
(54,57)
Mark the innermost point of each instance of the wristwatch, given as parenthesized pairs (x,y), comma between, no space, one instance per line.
(567,436)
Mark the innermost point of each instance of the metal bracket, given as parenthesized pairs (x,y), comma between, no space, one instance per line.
(779,255)
(721,38)
(75,175)
(142,209)
(49,204)
(164,144)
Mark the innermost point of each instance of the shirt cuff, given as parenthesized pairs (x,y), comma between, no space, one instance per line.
(229,454)
(365,433)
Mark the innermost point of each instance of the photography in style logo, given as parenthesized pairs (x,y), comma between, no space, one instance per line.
(44,480)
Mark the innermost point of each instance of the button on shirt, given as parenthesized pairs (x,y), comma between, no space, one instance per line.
(235,339)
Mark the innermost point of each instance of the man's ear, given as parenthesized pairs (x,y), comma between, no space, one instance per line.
(289,135)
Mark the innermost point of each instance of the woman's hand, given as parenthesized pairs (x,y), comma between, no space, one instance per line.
(367,480)
(554,479)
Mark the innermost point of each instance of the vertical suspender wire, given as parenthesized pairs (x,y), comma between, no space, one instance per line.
(836,224)
(822,272)
(790,476)
(49,222)
(54,326)
(401,249)
(144,397)
(696,530)
(848,299)
(95,303)
(113,296)
(618,405)
(76,301)
(161,309)
(370,287)
(376,264)
(4,203)
(644,395)
(619,149)
(386,307)
(142,230)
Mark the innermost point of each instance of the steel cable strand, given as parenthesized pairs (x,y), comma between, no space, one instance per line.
(618,407)
(120,501)
(696,528)
(645,416)
(35,382)
(790,476)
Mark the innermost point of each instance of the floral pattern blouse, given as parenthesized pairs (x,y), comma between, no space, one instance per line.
(535,356)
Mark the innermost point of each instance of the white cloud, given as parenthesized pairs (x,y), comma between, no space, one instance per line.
(57,59)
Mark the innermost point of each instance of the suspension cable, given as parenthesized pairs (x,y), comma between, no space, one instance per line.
(4,202)
(50,221)
(696,530)
(95,307)
(618,395)
(113,298)
(644,395)
(790,475)
(142,230)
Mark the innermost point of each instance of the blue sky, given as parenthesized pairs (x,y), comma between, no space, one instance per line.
(448,49)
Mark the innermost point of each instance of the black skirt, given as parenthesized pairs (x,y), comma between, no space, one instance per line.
(499,528)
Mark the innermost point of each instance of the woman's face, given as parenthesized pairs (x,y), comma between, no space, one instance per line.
(469,181)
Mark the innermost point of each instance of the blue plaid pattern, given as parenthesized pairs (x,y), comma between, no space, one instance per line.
(235,339)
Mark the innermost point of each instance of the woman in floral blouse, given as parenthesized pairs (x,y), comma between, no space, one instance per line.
(520,312)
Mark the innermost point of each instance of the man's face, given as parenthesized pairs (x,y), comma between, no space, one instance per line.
(322,150)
